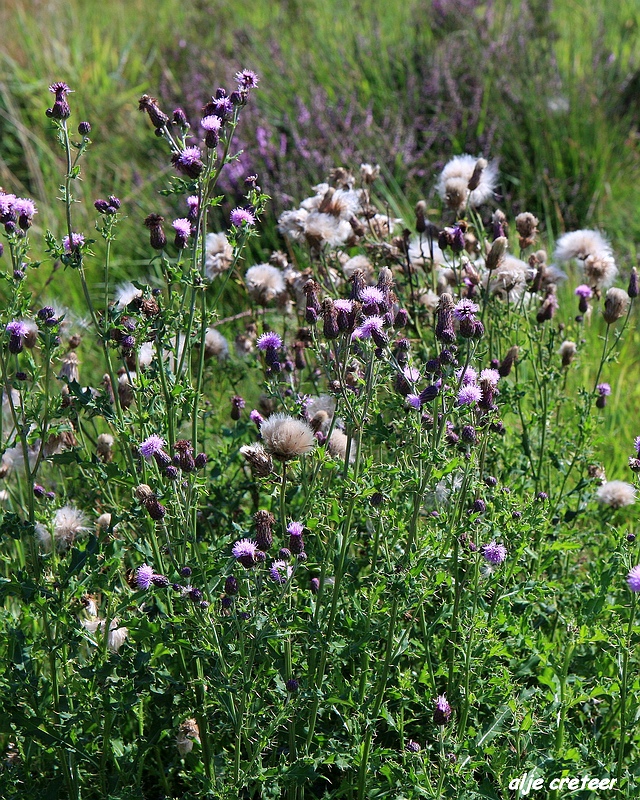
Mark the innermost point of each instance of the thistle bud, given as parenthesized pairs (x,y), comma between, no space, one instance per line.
(264,529)
(508,361)
(496,253)
(615,305)
(567,352)
(526,225)
(158,240)
(330,326)
(444,326)
(421,216)
(149,104)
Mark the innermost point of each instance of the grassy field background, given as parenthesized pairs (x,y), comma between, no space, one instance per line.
(549,88)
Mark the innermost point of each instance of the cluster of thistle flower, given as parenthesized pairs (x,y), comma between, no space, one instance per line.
(183,461)
(466,183)
(452,261)
(250,553)
(188,159)
(145,578)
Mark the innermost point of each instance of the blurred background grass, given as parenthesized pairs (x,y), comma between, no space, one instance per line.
(551,89)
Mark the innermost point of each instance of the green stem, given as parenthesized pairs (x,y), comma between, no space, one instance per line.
(366,747)
(624,689)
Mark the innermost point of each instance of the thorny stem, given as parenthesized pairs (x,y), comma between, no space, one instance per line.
(624,688)
(318,677)
(366,747)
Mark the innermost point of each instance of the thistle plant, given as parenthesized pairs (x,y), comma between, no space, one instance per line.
(331,525)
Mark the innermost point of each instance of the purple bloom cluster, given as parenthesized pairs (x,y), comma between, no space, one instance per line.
(494,553)
(242,216)
(146,577)
(182,227)
(18,210)
(151,446)
(633,579)
(442,711)
(73,244)
(245,551)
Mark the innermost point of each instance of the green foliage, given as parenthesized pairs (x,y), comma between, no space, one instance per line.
(310,675)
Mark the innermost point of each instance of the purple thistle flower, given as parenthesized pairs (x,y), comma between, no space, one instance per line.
(211,123)
(24,209)
(193,202)
(77,240)
(280,572)
(144,577)
(412,747)
(636,444)
(368,327)
(585,293)
(494,553)
(182,227)
(189,162)
(413,400)
(6,207)
(60,109)
(247,79)
(465,309)
(295,528)
(17,328)
(221,106)
(633,579)
(152,445)
(491,376)
(256,416)
(371,294)
(245,551)
(240,216)
(442,711)
(604,390)
(269,341)
(469,395)
(470,375)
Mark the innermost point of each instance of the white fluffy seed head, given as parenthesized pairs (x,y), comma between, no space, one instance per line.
(215,345)
(264,283)
(126,293)
(117,634)
(616,494)
(219,254)
(594,252)
(285,437)
(337,446)
(453,183)
(68,523)
(325,229)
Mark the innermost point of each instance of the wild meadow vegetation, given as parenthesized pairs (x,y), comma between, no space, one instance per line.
(319,356)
